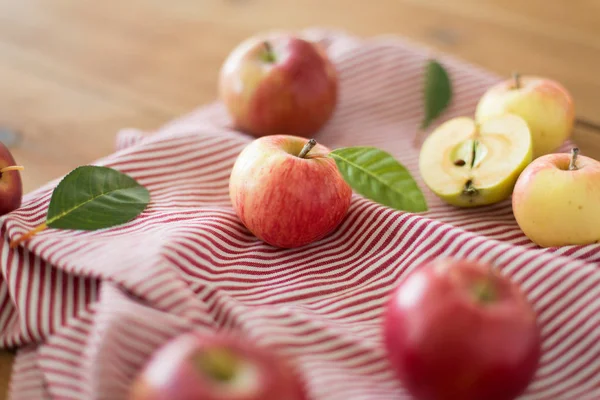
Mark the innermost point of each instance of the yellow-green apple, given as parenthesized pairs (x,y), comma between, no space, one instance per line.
(543,103)
(194,366)
(286,190)
(458,330)
(468,164)
(11,186)
(556,200)
(279,84)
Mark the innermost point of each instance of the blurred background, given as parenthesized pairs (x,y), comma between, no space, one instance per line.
(74,72)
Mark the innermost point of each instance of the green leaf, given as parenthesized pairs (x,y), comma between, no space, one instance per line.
(90,198)
(376,175)
(93,197)
(437,92)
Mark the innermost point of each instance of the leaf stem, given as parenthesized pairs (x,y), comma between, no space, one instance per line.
(307,147)
(12,168)
(574,154)
(28,235)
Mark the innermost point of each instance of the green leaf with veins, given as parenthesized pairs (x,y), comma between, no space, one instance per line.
(377,176)
(91,198)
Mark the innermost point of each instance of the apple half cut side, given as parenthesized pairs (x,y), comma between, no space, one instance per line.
(468,164)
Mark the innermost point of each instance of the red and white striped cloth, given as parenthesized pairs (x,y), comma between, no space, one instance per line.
(88,308)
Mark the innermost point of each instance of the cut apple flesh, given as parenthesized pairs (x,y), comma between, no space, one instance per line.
(467,164)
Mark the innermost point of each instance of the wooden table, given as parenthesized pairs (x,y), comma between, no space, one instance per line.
(74,72)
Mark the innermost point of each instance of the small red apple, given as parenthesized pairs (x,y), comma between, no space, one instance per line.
(279,84)
(286,192)
(194,366)
(458,330)
(11,186)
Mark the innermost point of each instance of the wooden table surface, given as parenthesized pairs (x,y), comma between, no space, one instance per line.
(74,72)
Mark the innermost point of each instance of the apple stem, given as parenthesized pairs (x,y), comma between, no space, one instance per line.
(269,55)
(517,80)
(12,168)
(484,293)
(28,235)
(218,363)
(307,147)
(574,153)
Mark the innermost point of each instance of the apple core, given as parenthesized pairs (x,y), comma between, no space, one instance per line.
(470,153)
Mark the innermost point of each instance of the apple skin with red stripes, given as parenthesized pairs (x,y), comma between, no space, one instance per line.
(458,330)
(196,366)
(11,185)
(278,84)
(285,200)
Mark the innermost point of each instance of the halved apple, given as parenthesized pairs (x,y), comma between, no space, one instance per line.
(469,165)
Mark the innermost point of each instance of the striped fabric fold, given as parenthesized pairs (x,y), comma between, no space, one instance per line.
(87,309)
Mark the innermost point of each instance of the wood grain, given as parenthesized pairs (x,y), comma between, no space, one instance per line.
(74,72)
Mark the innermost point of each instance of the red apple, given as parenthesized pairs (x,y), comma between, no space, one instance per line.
(458,330)
(194,366)
(11,186)
(286,192)
(279,84)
